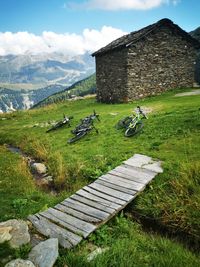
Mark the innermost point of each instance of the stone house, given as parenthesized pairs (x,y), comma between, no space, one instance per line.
(154,59)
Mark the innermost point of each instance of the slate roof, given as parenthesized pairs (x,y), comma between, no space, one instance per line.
(133,37)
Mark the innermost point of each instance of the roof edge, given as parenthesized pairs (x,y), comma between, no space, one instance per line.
(152,27)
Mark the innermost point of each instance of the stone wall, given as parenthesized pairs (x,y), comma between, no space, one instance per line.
(159,62)
(111,77)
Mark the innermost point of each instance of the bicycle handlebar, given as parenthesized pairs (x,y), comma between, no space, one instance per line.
(141,112)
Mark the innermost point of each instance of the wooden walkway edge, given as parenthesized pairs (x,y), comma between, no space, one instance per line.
(93,205)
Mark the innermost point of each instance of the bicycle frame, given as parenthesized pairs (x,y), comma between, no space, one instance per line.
(84,127)
(135,119)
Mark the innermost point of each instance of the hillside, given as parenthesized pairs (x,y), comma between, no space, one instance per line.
(171,202)
(81,88)
(24,99)
(196,33)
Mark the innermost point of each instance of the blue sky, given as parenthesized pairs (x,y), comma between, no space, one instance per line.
(75,16)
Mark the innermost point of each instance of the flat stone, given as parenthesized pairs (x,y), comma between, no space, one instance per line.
(49,178)
(5,233)
(139,160)
(19,232)
(155,167)
(20,263)
(39,168)
(45,253)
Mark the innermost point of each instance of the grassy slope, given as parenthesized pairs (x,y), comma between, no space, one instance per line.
(128,246)
(80,88)
(171,134)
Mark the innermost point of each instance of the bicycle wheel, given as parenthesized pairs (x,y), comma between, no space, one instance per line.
(56,126)
(132,131)
(123,123)
(77,137)
(51,129)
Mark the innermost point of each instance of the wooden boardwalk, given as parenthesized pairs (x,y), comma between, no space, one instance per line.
(93,205)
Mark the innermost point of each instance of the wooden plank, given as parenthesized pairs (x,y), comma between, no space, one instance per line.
(123,182)
(128,177)
(45,227)
(77,214)
(133,173)
(104,196)
(107,183)
(111,192)
(154,167)
(148,172)
(64,224)
(74,204)
(94,203)
(81,225)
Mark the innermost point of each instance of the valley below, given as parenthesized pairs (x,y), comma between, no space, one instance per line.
(27,79)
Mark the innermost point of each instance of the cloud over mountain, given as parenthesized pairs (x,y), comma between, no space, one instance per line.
(119,4)
(69,43)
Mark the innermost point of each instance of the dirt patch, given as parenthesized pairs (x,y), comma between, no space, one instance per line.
(194,92)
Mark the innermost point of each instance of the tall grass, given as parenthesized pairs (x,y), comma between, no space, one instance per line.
(19,196)
(128,246)
(57,169)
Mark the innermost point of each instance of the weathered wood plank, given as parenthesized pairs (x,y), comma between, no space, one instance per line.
(111,192)
(74,204)
(77,214)
(45,227)
(107,183)
(81,225)
(105,196)
(148,172)
(74,232)
(128,177)
(123,182)
(94,201)
(154,167)
(133,172)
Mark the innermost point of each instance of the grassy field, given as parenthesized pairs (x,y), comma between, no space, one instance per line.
(171,134)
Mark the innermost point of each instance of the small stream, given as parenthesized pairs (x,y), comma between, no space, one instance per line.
(42,178)
(155,227)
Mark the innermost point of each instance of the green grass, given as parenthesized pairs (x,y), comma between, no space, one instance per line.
(171,134)
(128,246)
(19,196)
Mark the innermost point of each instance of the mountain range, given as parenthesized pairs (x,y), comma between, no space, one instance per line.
(35,71)
(27,79)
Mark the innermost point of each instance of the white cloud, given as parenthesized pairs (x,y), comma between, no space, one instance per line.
(176,2)
(69,43)
(121,4)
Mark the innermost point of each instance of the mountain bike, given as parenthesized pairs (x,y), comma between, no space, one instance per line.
(133,123)
(84,127)
(59,124)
